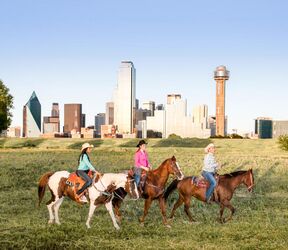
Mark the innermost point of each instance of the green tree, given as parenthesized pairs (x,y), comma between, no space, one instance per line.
(6,104)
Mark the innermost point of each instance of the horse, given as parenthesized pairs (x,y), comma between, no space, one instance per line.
(153,189)
(225,188)
(100,192)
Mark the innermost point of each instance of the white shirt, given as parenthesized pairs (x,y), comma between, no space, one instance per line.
(210,164)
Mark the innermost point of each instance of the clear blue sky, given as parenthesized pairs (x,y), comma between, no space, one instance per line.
(69,51)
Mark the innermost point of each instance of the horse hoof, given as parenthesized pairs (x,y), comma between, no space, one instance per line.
(88,226)
(117,228)
(50,221)
(168,226)
(58,222)
(142,224)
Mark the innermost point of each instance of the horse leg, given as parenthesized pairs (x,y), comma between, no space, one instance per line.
(222,207)
(177,204)
(146,208)
(163,210)
(109,207)
(118,214)
(186,208)
(50,205)
(56,209)
(91,212)
(227,204)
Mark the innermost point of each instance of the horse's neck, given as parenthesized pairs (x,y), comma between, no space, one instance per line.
(162,175)
(237,181)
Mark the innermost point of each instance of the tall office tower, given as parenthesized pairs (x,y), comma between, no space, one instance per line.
(149,105)
(32,117)
(72,117)
(51,124)
(200,115)
(172,98)
(109,117)
(125,101)
(221,74)
(55,110)
(264,127)
(83,120)
(99,121)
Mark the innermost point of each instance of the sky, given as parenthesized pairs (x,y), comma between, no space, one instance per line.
(69,51)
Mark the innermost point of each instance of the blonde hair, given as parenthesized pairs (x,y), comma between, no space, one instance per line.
(211,145)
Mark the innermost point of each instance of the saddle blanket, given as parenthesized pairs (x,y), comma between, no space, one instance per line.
(199,181)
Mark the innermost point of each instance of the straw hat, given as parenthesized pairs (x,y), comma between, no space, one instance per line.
(211,145)
(86,145)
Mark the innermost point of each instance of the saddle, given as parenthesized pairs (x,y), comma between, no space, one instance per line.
(75,182)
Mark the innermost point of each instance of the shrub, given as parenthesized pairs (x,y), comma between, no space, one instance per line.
(283,142)
(185,142)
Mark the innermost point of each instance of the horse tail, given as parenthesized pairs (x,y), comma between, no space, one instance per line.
(171,188)
(43,181)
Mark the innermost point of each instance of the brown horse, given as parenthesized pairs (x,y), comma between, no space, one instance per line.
(153,189)
(226,186)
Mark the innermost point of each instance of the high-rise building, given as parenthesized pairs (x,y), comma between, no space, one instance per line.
(263,127)
(83,120)
(99,121)
(149,105)
(55,110)
(109,117)
(72,117)
(221,74)
(51,124)
(200,115)
(280,128)
(171,99)
(125,101)
(32,117)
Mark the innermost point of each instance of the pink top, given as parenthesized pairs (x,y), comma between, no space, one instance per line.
(141,159)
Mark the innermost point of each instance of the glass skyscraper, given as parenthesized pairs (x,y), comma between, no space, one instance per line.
(124,98)
(32,117)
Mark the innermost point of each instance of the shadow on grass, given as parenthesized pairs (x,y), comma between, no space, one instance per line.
(186,142)
(2,142)
(77,145)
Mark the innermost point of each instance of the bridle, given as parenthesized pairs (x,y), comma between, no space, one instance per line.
(251,181)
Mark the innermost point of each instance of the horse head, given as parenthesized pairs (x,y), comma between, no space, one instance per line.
(130,186)
(249,180)
(174,168)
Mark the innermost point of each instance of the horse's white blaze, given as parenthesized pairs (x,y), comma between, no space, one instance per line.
(119,180)
(182,175)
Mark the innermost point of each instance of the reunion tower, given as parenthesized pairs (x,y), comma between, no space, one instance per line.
(221,74)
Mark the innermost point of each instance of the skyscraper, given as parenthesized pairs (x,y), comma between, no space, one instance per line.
(221,74)
(72,117)
(149,105)
(125,101)
(32,117)
(55,110)
(109,117)
(200,115)
(51,124)
(99,120)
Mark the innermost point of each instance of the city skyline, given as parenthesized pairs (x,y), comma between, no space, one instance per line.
(175,48)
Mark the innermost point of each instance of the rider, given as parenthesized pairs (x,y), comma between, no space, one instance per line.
(209,170)
(83,169)
(141,162)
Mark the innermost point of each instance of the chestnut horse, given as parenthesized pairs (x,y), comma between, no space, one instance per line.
(153,189)
(226,186)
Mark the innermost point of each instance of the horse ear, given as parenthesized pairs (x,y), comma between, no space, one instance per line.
(173,158)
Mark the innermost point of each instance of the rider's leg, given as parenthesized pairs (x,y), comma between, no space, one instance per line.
(87,180)
(137,175)
(210,177)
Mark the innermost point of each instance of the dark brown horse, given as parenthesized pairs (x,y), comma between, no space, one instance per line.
(226,186)
(153,189)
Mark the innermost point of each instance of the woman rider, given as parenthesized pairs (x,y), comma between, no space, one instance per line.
(141,162)
(209,170)
(83,169)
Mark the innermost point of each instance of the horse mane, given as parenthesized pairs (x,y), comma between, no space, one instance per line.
(236,173)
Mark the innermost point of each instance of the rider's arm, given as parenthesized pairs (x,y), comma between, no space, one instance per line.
(88,163)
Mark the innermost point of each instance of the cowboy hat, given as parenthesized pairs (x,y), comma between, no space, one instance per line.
(86,145)
(141,143)
(211,145)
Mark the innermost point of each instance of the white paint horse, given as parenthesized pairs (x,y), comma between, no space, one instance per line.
(108,182)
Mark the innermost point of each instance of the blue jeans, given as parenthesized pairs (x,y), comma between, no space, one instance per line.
(83,174)
(137,175)
(209,177)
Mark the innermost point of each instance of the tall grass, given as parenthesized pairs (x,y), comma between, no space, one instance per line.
(260,221)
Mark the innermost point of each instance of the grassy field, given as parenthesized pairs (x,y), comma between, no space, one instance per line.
(260,221)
